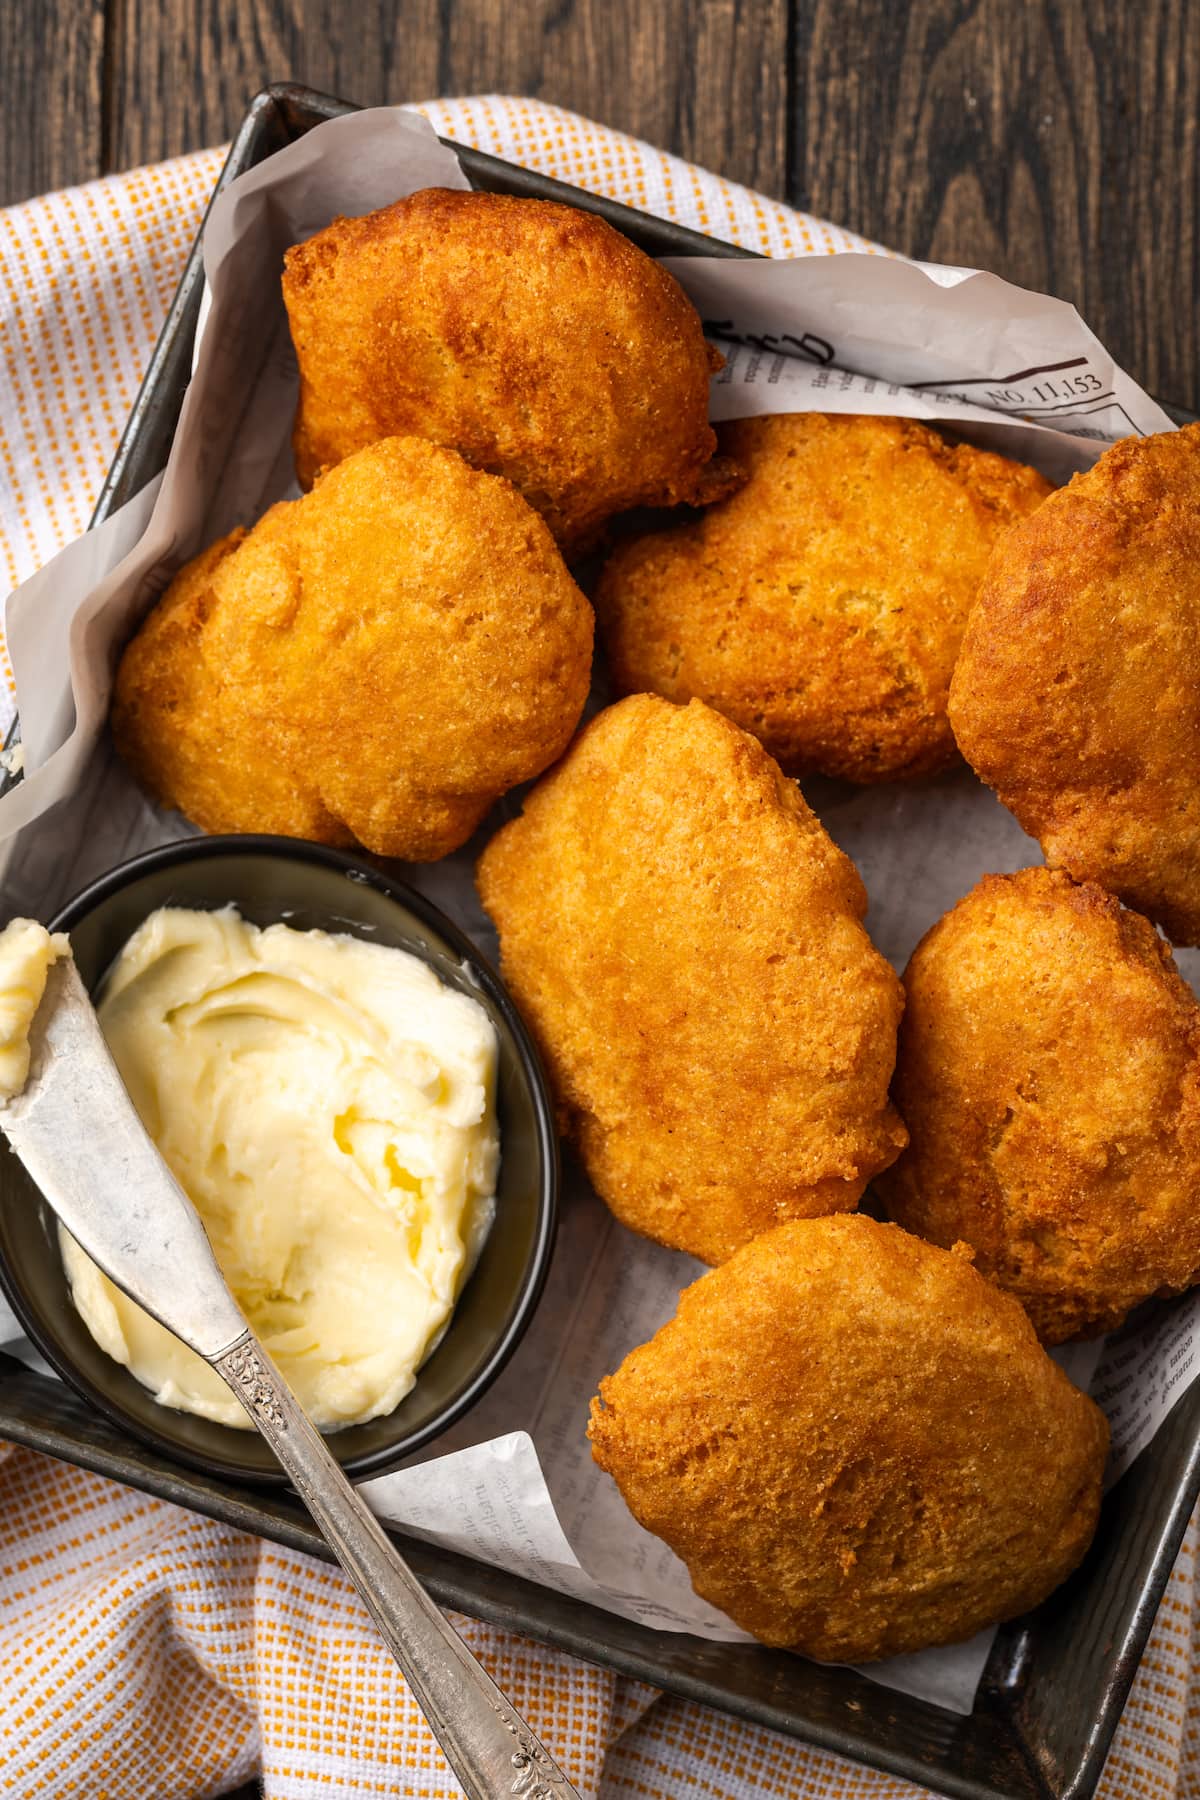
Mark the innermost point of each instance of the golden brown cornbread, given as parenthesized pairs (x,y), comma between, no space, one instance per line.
(685,941)
(822,606)
(1077,695)
(378,661)
(530,337)
(1049,1075)
(855,1443)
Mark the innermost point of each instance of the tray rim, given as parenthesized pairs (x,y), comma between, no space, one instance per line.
(286,110)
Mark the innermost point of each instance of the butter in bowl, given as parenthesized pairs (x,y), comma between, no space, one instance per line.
(347,1095)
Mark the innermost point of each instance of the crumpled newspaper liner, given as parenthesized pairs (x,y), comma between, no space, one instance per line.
(514,1483)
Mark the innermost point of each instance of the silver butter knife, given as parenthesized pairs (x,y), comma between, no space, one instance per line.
(75,1129)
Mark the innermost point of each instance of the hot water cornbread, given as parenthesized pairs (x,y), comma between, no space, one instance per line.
(686,942)
(1049,1075)
(378,661)
(530,337)
(855,1443)
(1077,694)
(821,607)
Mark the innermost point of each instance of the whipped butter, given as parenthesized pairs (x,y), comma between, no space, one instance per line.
(26,952)
(329,1106)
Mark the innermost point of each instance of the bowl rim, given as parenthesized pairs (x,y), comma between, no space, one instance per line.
(386,1457)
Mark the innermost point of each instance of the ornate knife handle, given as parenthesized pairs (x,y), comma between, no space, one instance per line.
(487,1744)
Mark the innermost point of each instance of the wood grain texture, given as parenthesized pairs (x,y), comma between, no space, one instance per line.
(1054,141)
(51,67)
(706,78)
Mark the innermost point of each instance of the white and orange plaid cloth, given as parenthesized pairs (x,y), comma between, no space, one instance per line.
(149,1654)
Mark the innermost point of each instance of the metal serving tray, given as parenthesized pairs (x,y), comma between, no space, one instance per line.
(1056,1682)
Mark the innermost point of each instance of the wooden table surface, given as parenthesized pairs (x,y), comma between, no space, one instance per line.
(1054,141)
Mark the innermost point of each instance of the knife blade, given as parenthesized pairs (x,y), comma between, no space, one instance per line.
(75,1128)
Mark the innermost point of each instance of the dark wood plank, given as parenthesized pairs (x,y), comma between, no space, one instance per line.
(1054,141)
(705,79)
(51,67)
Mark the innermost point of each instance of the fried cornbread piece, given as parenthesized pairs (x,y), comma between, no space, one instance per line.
(822,606)
(378,661)
(1077,695)
(1049,1075)
(855,1443)
(529,336)
(685,941)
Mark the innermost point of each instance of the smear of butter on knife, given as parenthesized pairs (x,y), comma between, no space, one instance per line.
(27,951)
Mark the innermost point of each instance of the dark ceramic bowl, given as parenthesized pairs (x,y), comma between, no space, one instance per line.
(270,879)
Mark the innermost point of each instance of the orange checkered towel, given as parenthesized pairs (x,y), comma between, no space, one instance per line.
(149,1654)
